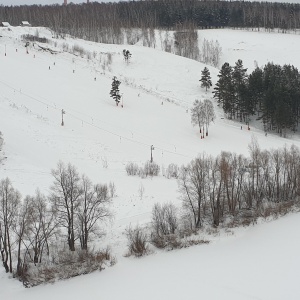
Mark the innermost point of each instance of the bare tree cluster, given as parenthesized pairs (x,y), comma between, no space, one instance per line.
(168,230)
(232,186)
(30,227)
(186,42)
(149,169)
(211,53)
(202,114)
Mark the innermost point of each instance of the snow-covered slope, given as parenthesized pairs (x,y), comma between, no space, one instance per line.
(100,138)
(262,263)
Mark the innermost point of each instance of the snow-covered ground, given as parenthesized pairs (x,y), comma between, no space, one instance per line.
(100,139)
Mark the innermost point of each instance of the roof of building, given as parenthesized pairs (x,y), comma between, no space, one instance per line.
(5,24)
(25,23)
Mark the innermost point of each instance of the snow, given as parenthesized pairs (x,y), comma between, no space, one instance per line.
(262,263)
(99,138)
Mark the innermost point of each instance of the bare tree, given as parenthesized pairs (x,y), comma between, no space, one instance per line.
(9,203)
(197,115)
(194,187)
(93,207)
(66,193)
(202,114)
(208,113)
(43,225)
(20,228)
(164,219)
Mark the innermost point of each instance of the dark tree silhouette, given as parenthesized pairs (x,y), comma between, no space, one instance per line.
(115,92)
(205,78)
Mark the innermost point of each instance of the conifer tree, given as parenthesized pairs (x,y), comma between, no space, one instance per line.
(115,92)
(205,78)
(239,77)
(224,90)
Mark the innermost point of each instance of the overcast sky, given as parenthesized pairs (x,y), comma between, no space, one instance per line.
(48,2)
(45,2)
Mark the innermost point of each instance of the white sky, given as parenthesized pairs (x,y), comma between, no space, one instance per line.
(49,2)
(45,2)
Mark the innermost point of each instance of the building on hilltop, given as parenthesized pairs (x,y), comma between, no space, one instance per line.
(25,24)
(4,24)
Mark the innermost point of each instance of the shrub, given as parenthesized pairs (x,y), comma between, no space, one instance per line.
(164,226)
(151,169)
(172,171)
(137,242)
(164,219)
(132,169)
(34,38)
(170,242)
(67,264)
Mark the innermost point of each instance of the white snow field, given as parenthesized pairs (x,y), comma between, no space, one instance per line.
(158,88)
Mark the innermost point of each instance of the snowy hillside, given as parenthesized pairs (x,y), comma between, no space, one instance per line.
(99,138)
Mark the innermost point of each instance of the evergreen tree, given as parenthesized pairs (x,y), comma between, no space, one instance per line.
(127,55)
(255,91)
(239,78)
(271,93)
(115,92)
(224,90)
(205,78)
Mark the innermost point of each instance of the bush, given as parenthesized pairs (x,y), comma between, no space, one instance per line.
(172,171)
(164,226)
(170,242)
(137,242)
(132,169)
(67,264)
(151,169)
(164,219)
(34,38)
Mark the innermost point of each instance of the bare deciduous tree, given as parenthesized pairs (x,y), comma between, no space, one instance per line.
(66,193)
(202,114)
(194,186)
(9,203)
(93,207)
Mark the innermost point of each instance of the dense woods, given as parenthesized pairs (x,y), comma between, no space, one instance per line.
(270,94)
(102,21)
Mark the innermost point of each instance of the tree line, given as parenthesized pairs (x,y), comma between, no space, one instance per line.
(271,93)
(30,227)
(225,191)
(96,21)
(233,187)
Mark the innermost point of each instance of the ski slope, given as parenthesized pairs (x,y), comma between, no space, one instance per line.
(100,138)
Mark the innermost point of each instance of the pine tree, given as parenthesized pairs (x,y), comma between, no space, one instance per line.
(224,90)
(205,78)
(115,92)
(127,55)
(239,77)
